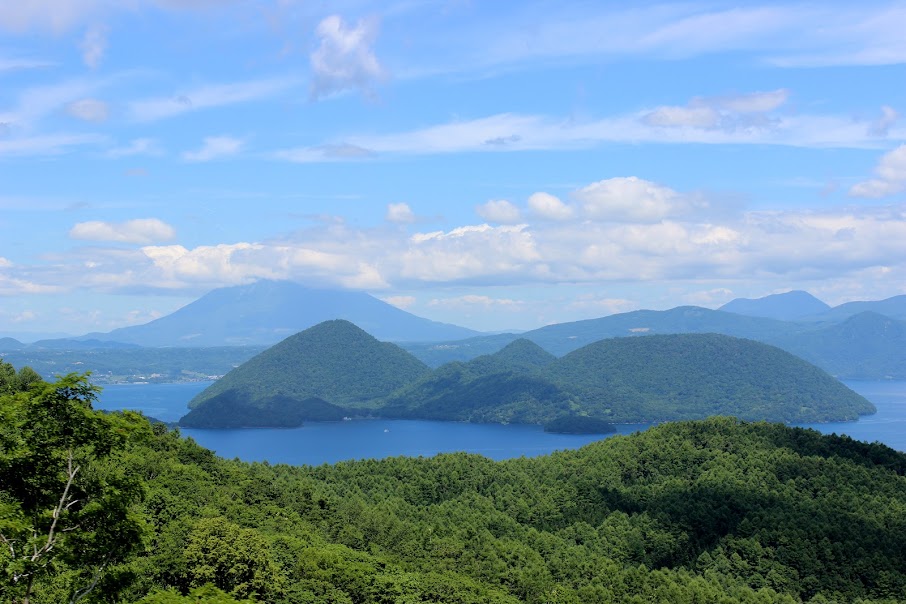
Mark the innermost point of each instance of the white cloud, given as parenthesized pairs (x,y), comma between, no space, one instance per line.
(214,147)
(695,117)
(55,15)
(207,97)
(399,213)
(548,207)
(882,126)
(474,300)
(138,146)
(753,102)
(16,64)
(629,199)
(344,59)
(499,211)
(660,125)
(141,231)
(403,302)
(891,176)
(324,153)
(726,112)
(52,144)
(601,305)
(468,253)
(89,110)
(62,15)
(93,46)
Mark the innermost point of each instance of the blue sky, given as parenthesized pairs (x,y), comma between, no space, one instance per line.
(492,164)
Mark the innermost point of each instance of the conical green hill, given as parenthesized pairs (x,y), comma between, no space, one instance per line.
(318,373)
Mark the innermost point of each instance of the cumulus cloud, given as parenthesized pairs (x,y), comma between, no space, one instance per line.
(548,207)
(890,176)
(89,110)
(469,253)
(628,199)
(400,213)
(93,46)
(499,211)
(214,147)
(344,59)
(141,231)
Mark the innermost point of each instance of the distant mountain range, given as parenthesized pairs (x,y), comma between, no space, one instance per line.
(335,369)
(860,340)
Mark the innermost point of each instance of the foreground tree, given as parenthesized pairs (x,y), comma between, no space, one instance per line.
(66,503)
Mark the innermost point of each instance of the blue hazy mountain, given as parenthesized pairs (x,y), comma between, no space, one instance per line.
(789,306)
(864,346)
(266,312)
(7,344)
(894,308)
(867,345)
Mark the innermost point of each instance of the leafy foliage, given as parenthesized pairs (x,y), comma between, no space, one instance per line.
(711,511)
(643,379)
(65,501)
(334,361)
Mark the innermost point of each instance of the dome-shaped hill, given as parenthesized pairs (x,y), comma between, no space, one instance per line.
(519,355)
(318,373)
(666,377)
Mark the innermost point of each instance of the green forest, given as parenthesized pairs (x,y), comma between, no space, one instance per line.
(335,369)
(112,508)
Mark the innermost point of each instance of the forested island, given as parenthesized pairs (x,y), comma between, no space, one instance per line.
(335,370)
(110,508)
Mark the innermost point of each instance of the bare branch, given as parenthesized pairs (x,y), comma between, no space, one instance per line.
(61,507)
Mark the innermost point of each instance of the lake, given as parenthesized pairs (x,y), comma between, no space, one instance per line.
(329,442)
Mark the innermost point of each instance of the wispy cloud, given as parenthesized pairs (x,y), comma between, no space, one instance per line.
(138,146)
(89,110)
(7,64)
(214,147)
(93,46)
(51,144)
(207,97)
(674,125)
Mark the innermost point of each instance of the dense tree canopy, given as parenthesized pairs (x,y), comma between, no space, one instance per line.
(711,511)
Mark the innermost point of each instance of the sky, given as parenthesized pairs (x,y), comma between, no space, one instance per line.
(494,164)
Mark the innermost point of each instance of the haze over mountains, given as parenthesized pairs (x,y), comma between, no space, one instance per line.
(266,312)
(862,340)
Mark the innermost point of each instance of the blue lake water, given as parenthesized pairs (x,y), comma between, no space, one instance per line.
(328,442)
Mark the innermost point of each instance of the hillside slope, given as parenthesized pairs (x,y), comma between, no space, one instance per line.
(640,379)
(315,374)
(689,376)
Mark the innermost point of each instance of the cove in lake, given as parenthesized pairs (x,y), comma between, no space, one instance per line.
(329,442)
